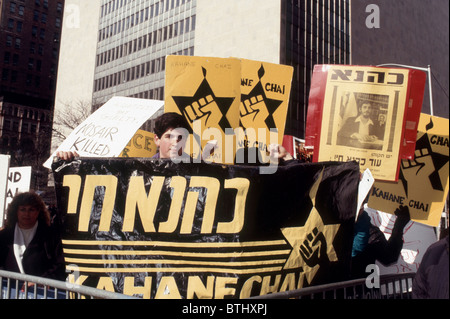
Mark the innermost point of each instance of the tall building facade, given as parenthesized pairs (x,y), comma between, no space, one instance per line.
(315,32)
(135,37)
(133,40)
(30,32)
(412,33)
(74,89)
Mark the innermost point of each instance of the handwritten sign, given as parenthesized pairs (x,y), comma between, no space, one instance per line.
(108,130)
(18,182)
(4,166)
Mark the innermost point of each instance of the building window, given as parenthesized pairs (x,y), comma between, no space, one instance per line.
(19,26)
(10,24)
(6,57)
(12,7)
(8,40)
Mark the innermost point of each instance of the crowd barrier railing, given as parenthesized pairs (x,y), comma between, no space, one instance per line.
(392,286)
(21,286)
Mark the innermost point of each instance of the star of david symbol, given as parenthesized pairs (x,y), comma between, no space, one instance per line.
(205,105)
(311,243)
(258,97)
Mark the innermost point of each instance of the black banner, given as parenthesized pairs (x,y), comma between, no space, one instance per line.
(157,229)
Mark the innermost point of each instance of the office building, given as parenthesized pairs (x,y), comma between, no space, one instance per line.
(135,37)
(412,33)
(30,32)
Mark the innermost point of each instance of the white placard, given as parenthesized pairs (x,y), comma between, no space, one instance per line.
(4,167)
(107,131)
(19,179)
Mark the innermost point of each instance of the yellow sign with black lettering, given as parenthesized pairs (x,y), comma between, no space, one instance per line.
(423,181)
(206,92)
(265,91)
(142,144)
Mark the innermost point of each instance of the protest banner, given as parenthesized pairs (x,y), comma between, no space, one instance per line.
(142,144)
(4,167)
(366,114)
(106,132)
(206,91)
(163,230)
(423,181)
(265,91)
(19,179)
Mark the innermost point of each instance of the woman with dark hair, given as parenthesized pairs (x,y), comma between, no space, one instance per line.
(28,243)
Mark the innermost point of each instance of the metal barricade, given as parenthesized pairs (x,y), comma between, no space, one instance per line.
(20,286)
(395,286)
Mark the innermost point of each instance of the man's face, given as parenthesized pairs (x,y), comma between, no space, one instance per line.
(366,110)
(171,143)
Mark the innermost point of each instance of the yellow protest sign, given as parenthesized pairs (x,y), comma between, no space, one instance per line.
(423,181)
(142,144)
(265,91)
(206,91)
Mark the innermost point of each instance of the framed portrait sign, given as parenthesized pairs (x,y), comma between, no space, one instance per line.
(364,114)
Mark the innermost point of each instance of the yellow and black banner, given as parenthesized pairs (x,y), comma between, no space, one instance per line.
(159,230)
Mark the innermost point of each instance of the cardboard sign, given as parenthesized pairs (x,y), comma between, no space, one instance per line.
(106,132)
(265,91)
(19,179)
(366,114)
(142,144)
(206,91)
(423,183)
(4,167)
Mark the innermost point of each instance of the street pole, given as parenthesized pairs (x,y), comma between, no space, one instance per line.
(428,70)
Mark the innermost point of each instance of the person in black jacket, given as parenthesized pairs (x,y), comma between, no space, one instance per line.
(371,245)
(28,244)
(431,280)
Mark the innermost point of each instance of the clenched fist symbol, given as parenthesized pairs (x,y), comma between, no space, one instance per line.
(205,109)
(314,248)
(254,112)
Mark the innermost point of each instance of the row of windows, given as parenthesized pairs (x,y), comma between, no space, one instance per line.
(163,34)
(136,72)
(129,22)
(30,128)
(113,5)
(25,113)
(14,8)
(30,81)
(32,63)
(34,32)
(153,94)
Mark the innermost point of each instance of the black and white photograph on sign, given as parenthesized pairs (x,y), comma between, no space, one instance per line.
(363,119)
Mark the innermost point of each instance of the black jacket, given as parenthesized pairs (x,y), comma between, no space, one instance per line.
(43,256)
(431,280)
